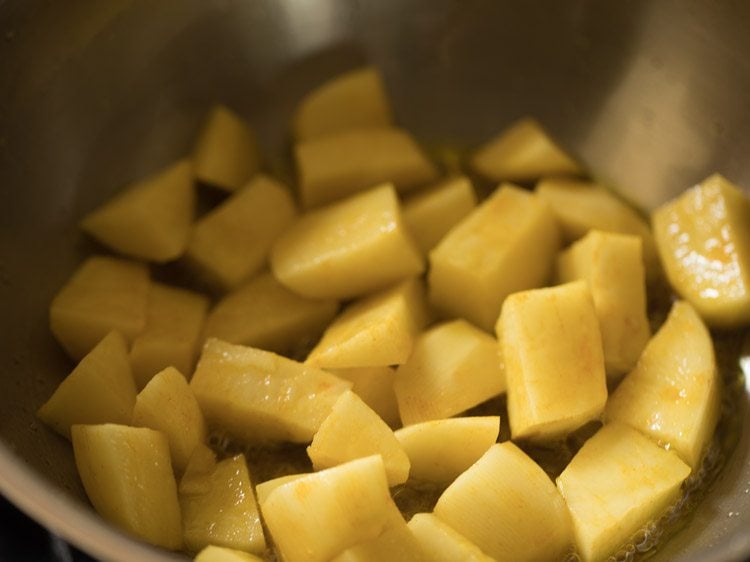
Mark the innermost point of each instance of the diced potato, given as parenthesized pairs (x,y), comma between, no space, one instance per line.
(99,390)
(523,152)
(264,489)
(431,214)
(612,264)
(442,543)
(171,338)
(704,241)
(582,206)
(226,152)
(231,243)
(128,477)
(377,331)
(103,294)
(374,385)
(673,394)
(508,507)
(314,518)
(347,249)
(195,480)
(440,450)
(167,404)
(258,396)
(454,366)
(338,165)
(352,431)
(150,219)
(353,100)
(507,244)
(617,483)
(263,313)
(554,362)
(220,554)
(226,513)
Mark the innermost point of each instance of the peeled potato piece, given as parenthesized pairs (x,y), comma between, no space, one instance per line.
(220,554)
(374,385)
(264,489)
(442,543)
(523,152)
(353,100)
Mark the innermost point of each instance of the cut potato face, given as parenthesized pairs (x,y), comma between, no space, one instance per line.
(196,477)
(220,554)
(264,489)
(617,483)
(374,385)
(507,244)
(354,100)
(338,165)
(704,242)
(226,153)
(442,543)
(347,249)
(103,294)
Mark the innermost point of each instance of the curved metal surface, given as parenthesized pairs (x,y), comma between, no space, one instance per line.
(93,94)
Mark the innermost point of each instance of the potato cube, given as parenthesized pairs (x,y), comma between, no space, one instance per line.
(171,338)
(167,404)
(103,294)
(231,243)
(263,313)
(314,518)
(220,554)
(149,219)
(128,477)
(347,249)
(377,331)
(352,431)
(704,242)
(258,396)
(617,483)
(226,152)
(100,389)
(454,366)
(508,507)
(353,100)
(523,152)
(442,543)
(374,385)
(674,393)
(338,165)
(440,450)
(612,264)
(554,362)
(225,514)
(432,213)
(505,245)
(195,479)
(264,489)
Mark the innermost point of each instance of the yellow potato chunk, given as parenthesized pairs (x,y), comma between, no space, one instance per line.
(220,554)
(454,366)
(431,214)
(171,338)
(582,206)
(263,313)
(442,543)
(224,513)
(704,242)
(151,218)
(128,477)
(612,264)
(99,390)
(617,483)
(674,392)
(352,431)
(258,396)
(554,362)
(347,249)
(508,507)
(231,243)
(167,404)
(377,331)
(264,489)
(440,450)
(226,152)
(195,479)
(523,152)
(374,385)
(354,100)
(507,244)
(103,294)
(314,518)
(338,165)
